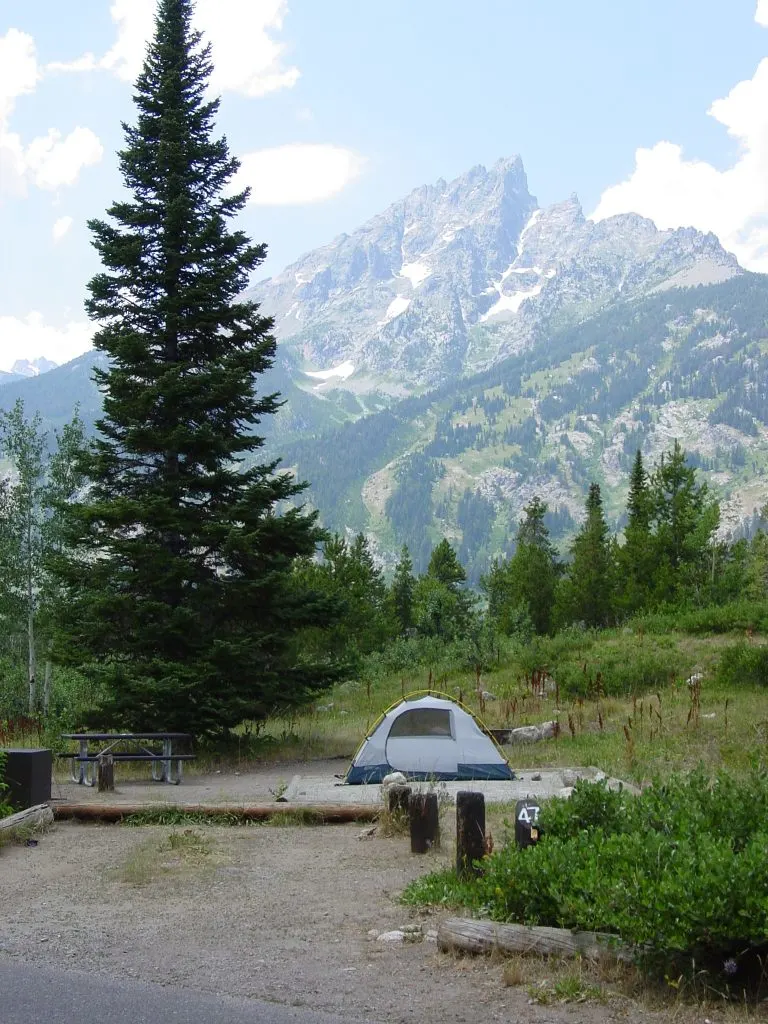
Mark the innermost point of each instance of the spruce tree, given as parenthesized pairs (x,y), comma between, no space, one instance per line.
(684,522)
(441,608)
(636,556)
(401,591)
(181,606)
(522,589)
(590,581)
(445,566)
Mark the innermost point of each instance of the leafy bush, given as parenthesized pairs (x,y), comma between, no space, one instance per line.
(737,616)
(623,670)
(742,665)
(680,873)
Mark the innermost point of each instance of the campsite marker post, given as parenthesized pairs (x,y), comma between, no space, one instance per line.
(399,799)
(470,833)
(424,821)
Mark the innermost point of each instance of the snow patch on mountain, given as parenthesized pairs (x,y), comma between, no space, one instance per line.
(397,306)
(416,272)
(510,303)
(340,372)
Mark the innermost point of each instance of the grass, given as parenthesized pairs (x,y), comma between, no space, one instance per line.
(174,855)
(646,729)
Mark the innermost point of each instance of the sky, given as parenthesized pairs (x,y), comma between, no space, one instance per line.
(337,108)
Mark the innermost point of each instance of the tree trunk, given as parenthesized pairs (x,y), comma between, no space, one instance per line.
(32,660)
(105,770)
(327,814)
(471,936)
(32,817)
(47,678)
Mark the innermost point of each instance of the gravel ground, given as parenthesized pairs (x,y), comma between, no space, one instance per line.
(278,913)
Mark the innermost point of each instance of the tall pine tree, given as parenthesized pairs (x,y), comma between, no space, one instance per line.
(522,589)
(589,586)
(685,519)
(635,557)
(181,608)
(401,591)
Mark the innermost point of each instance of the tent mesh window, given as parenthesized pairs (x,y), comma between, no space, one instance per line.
(422,722)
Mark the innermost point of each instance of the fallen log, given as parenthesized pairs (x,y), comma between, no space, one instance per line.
(28,820)
(470,936)
(323,814)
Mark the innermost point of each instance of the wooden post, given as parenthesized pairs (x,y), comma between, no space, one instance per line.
(470,833)
(398,798)
(424,822)
(106,773)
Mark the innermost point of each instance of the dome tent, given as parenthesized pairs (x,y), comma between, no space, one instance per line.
(428,737)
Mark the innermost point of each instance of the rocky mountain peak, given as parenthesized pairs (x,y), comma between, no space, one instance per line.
(459,274)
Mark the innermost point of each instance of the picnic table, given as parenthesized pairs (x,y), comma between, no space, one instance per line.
(166,764)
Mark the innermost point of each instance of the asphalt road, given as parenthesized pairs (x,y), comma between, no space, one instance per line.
(44,995)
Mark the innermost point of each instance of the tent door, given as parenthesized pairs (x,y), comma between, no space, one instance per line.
(423,741)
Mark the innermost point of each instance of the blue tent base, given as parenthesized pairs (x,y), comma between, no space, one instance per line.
(375,773)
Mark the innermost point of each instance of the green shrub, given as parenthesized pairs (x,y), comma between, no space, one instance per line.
(737,616)
(742,665)
(623,669)
(680,873)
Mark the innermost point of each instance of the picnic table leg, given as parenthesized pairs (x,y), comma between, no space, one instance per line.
(83,773)
(167,751)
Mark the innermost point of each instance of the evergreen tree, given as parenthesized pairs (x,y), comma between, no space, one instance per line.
(589,585)
(757,566)
(445,567)
(684,523)
(401,591)
(635,557)
(523,588)
(506,608)
(441,608)
(181,604)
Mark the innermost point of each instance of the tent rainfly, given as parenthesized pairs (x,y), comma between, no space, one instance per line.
(428,738)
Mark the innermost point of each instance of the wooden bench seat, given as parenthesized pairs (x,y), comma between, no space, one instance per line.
(130,757)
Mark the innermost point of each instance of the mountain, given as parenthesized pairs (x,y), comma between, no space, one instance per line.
(33,367)
(463,459)
(466,349)
(457,276)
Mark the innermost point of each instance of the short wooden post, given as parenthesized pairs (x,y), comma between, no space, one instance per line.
(470,833)
(398,798)
(424,822)
(105,769)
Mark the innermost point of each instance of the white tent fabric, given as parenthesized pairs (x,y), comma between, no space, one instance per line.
(428,738)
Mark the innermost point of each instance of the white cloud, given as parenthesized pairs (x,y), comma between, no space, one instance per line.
(31,337)
(135,21)
(61,227)
(18,70)
(247,57)
(48,161)
(733,203)
(54,160)
(298,173)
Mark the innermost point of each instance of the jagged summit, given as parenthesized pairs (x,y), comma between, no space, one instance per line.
(459,274)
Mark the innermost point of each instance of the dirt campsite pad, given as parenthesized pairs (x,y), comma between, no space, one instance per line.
(318,782)
(284,913)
